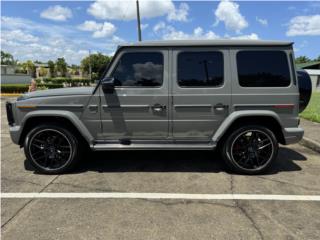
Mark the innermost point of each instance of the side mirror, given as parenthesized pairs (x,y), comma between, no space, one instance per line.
(108,85)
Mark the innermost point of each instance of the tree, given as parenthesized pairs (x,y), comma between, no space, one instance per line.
(30,67)
(61,66)
(7,59)
(51,67)
(43,72)
(98,62)
(317,59)
(302,59)
(74,69)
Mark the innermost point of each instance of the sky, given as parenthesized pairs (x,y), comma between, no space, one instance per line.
(44,30)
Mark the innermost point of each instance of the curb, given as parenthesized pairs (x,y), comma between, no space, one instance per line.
(309,143)
(10,94)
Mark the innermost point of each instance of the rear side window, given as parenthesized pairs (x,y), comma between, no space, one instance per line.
(143,69)
(200,69)
(263,69)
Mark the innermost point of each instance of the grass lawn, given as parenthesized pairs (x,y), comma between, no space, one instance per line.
(312,112)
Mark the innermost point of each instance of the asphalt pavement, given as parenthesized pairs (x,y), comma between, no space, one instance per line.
(189,172)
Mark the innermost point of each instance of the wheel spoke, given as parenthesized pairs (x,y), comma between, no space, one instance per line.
(266,145)
(39,141)
(37,146)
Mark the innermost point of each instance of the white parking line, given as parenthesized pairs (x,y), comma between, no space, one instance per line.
(182,196)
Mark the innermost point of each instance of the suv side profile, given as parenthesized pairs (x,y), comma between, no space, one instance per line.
(239,96)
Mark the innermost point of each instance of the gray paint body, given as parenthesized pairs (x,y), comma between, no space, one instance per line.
(190,119)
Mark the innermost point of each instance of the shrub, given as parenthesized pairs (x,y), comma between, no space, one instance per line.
(38,80)
(50,85)
(68,81)
(22,88)
(14,88)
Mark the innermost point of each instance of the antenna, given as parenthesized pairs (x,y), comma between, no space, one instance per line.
(138,18)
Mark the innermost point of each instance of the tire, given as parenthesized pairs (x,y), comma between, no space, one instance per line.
(250,150)
(52,149)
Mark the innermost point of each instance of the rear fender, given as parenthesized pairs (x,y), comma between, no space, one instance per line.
(239,114)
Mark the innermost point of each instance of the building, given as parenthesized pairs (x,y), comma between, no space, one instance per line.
(9,75)
(42,70)
(313,69)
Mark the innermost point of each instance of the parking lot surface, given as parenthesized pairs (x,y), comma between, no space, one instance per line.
(193,172)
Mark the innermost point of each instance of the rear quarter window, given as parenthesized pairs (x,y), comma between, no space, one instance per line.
(263,69)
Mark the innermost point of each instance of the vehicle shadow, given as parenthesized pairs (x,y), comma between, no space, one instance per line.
(172,161)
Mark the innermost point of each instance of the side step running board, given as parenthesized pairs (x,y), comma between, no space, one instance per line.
(152,146)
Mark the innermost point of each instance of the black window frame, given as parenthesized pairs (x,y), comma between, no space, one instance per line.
(264,50)
(293,71)
(201,51)
(130,52)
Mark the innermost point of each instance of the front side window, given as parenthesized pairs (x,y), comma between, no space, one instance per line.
(200,69)
(263,69)
(143,69)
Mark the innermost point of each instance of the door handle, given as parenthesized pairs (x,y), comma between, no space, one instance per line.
(93,108)
(158,108)
(220,107)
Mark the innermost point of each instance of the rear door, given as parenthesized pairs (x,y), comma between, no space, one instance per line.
(200,92)
(138,108)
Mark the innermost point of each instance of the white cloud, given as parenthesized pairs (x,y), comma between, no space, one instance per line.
(168,32)
(126,10)
(107,30)
(57,13)
(159,26)
(229,13)
(13,23)
(90,26)
(252,36)
(19,35)
(99,30)
(144,26)
(117,40)
(179,14)
(56,41)
(262,21)
(304,26)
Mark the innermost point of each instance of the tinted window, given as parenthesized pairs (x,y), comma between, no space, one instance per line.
(263,69)
(200,69)
(144,69)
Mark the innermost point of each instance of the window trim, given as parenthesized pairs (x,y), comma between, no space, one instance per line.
(293,69)
(262,50)
(200,51)
(151,87)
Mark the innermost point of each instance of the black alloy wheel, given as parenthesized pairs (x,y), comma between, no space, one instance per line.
(250,150)
(51,149)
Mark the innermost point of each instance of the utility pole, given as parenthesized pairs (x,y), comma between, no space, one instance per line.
(90,68)
(138,18)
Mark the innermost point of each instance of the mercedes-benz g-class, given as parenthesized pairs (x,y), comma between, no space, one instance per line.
(239,96)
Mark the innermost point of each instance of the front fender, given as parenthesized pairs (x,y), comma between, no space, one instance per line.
(59,113)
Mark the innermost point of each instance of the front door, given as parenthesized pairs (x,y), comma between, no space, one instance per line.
(138,107)
(201,92)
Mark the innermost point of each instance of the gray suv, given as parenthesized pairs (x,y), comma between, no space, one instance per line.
(239,96)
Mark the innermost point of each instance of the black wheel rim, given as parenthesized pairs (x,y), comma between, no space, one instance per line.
(50,149)
(252,150)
